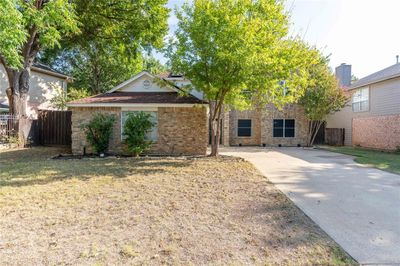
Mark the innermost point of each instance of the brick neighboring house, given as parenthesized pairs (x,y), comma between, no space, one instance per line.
(372,118)
(266,127)
(181,121)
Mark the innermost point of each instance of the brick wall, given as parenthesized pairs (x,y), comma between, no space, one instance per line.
(254,139)
(379,132)
(180,130)
(262,126)
(295,112)
(83,115)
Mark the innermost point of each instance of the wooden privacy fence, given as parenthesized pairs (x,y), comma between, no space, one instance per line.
(334,136)
(8,127)
(54,127)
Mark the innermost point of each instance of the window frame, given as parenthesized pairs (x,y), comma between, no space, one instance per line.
(248,127)
(360,97)
(283,128)
(154,129)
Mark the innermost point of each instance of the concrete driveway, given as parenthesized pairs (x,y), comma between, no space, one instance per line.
(358,206)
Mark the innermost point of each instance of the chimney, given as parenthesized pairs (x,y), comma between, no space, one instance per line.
(397,59)
(343,74)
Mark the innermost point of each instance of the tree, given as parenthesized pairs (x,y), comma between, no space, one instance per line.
(26,27)
(114,36)
(136,127)
(62,97)
(153,65)
(237,52)
(322,98)
(99,130)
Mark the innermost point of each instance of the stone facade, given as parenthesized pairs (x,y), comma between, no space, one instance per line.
(378,132)
(181,131)
(262,126)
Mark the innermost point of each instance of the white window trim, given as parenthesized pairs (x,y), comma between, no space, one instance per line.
(284,128)
(359,102)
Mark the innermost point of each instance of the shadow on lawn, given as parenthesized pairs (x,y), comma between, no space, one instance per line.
(35,167)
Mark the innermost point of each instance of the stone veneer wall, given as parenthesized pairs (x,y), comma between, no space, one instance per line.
(378,132)
(255,138)
(180,130)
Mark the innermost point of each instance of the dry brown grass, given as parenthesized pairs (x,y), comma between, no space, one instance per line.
(150,211)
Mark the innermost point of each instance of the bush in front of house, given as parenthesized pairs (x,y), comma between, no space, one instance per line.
(136,127)
(98,131)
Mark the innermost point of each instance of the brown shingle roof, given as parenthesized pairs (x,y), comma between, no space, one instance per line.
(140,98)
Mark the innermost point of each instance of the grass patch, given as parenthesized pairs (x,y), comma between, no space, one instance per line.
(387,161)
(151,211)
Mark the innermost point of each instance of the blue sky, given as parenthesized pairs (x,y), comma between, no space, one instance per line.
(363,33)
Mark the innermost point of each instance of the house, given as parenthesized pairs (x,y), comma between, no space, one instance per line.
(372,117)
(43,81)
(181,120)
(266,126)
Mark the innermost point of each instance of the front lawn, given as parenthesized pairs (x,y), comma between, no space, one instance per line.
(150,211)
(388,161)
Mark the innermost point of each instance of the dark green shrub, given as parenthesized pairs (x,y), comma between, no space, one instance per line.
(136,127)
(98,131)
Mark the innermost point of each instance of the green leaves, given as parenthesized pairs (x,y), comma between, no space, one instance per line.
(324,96)
(228,47)
(137,125)
(27,26)
(99,130)
(114,34)
(12,33)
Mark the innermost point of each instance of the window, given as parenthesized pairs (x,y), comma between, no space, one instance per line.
(152,135)
(360,101)
(244,128)
(284,128)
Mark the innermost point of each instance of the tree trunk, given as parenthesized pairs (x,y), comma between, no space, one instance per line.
(215,116)
(17,92)
(313,129)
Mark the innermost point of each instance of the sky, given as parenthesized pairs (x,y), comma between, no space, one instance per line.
(363,33)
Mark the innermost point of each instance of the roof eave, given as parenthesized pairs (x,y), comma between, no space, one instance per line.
(357,86)
(51,73)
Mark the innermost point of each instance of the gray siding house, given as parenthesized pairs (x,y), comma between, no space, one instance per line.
(372,117)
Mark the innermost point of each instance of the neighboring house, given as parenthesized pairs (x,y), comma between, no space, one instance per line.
(43,81)
(266,127)
(372,117)
(181,120)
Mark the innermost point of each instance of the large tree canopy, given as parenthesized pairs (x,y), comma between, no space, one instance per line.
(114,36)
(102,38)
(238,52)
(26,27)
